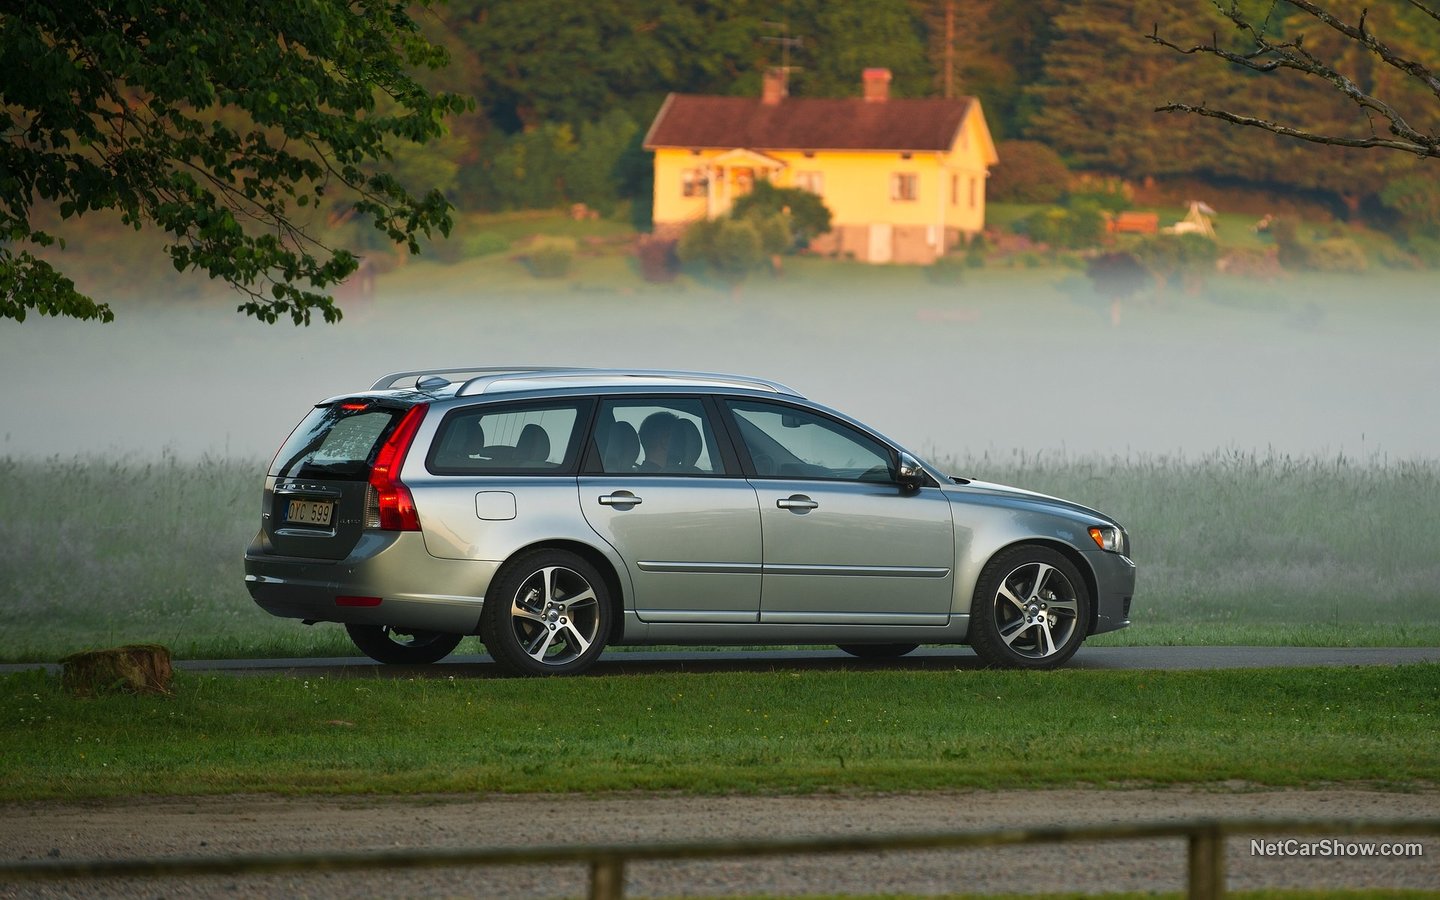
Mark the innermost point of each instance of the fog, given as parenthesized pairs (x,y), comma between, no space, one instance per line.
(1005,362)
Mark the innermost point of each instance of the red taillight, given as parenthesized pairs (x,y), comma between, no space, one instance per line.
(396,506)
(349,600)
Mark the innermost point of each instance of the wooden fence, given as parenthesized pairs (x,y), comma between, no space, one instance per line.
(1205,839)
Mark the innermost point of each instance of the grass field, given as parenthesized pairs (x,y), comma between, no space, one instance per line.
(875,730)
(1232,548)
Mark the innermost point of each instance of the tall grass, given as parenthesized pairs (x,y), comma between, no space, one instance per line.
(1245,547)
(1232,547)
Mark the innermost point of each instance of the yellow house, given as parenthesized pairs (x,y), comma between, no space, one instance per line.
(904,179)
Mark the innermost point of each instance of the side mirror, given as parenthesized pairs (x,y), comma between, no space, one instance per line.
(909,474)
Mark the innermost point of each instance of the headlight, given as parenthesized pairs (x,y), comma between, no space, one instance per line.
(1108,538)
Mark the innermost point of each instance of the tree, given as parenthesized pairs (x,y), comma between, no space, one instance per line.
(1363,82)
(1095,98)
(224,125)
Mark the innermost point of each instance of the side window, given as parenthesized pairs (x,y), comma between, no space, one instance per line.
(785,442)
(659,436)
(531,438)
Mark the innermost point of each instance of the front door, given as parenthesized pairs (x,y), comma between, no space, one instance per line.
(657,488)
(843,543)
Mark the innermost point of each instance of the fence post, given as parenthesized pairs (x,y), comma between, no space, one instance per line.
(1207,862)
(607,878)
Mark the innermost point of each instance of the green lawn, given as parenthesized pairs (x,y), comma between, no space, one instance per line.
(783,731)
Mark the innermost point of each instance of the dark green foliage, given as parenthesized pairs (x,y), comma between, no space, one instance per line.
(1416,199)
(1338,254)
(731,247)
(552,257)
(807,215)
(659,263)
(1118,275)
(1029,172)
(1110,194)
(1068,228)
(778,220)
(231,128)
(947,270)
(1178,259)
(555,164)
(1332,254)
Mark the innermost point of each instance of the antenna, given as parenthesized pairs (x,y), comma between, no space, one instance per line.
(786,42)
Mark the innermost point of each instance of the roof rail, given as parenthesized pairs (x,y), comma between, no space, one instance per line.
(388,382)
(535,378)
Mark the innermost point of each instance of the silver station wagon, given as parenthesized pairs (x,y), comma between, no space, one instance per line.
(555,511)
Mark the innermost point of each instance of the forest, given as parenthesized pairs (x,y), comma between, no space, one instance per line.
(565,91)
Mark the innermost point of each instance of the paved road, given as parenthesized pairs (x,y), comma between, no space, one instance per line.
(926,658)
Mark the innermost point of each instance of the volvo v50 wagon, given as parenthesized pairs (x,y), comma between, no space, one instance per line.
(555,511)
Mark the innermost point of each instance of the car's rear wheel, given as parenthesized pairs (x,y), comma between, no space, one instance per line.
(546,613)
(400,646)
(1031,609)
(877,651)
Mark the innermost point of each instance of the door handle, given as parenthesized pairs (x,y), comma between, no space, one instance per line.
(620,498)
(797,501)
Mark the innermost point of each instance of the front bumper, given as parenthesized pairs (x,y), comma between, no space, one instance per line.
(1115,586)
(404,585)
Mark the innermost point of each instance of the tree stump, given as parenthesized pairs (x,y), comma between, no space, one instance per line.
(135,669)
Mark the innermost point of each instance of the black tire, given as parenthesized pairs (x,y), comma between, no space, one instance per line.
(877,651)
(400,646)
(1031,609)
(546,613)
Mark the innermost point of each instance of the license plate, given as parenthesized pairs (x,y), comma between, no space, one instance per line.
(310,512)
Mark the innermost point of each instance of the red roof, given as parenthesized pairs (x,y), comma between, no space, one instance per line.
(805,123)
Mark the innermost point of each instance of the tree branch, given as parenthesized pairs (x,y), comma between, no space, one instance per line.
(1271,56)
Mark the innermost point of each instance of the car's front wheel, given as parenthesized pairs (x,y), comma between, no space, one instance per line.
(1031,609)
(546,613)
(399,646)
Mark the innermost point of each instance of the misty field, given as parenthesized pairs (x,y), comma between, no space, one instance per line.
(1233,548)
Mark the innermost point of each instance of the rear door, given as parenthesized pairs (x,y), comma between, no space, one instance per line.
(670,499)
(315,493)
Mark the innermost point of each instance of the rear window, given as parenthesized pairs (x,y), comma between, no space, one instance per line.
(522,438)
(337,442)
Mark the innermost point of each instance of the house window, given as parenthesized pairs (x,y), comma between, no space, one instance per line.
(955,190)
(693,183)
(974,191)
(814,182)
(904,186)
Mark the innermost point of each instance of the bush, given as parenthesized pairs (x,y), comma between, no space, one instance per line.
(1416,199)
(1108,193)
(1338,255)
(459,247)
(1178,258)
(947,270)
(1117,276)
(730,247)
(1069,229)
(975,252)
(659,262)
(552,257)
(1028,172)
(1426,249)
(805,215)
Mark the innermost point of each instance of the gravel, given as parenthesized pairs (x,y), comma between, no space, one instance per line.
(242,825)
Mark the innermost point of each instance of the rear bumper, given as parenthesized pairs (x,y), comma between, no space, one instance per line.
(388,579)
(1115,583)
